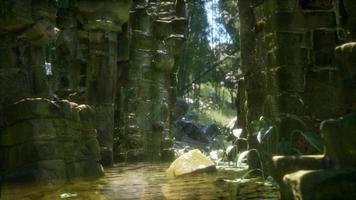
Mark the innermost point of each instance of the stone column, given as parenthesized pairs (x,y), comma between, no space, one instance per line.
(253,80)
(67,64)
(153,50)
(25,29)
(102,22)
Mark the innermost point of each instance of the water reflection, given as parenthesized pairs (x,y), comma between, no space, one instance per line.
(140,181)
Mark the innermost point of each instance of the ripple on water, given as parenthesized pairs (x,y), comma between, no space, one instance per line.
(141,181)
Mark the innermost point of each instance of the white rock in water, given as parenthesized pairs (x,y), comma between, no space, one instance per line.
(190,162)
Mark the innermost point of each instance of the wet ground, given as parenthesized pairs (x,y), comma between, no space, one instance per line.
(143,181)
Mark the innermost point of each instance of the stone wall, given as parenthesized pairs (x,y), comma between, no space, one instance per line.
(290,76)
(87,52)
(156,32)
(25,29)
(52,140)
(47,141)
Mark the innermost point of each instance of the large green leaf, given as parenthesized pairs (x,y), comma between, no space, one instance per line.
(263,132)
(242,157)
(313,139)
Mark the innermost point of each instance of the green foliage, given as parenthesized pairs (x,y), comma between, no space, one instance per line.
(286,148)
(263,132)
(197,55)
(260,129)
(312,139)
(243,156)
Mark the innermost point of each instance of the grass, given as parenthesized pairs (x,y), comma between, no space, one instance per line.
(220,117)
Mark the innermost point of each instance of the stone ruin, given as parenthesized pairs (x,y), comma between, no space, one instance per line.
(112,78)
(299,68)
(78,77)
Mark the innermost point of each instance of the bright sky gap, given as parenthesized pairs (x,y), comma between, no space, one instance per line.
(217,33)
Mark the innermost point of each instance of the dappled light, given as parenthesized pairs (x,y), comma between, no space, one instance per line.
(177,99)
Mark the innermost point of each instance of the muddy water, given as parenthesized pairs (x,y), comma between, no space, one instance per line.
(140,181)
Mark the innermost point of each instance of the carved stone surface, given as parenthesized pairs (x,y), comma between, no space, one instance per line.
(156,40)
(48,142)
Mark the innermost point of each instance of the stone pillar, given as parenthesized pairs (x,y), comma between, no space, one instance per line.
(102,22)
(67,64)
(25,29)
(156,35)
(253,77)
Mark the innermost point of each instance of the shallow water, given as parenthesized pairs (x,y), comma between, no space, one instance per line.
(140,181)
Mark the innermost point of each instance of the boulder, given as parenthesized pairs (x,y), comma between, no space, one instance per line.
(191,162)
(188,128)
(211,130)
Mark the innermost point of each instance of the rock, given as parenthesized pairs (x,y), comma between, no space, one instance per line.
(188,128)
(323,184)
(211,130)
(191,162)
(339,136)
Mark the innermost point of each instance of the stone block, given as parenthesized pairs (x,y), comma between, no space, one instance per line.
(323,184)
(287,5)
(115,11)
(345,56)
(283,165)
(26,131)
(14,85)
(15,15)
(285,39)
(175,44)
(316,4)
(141,58)
(141,21)
(140,40)
(339,136)
(8,57)
(30,108)
(30,152)
(163,62)
(84,170)
(304,21)
(87,115)
(346,73)
(162,28)
(287,55)
(179,25)
(44,172)
(102,25)
(324,42)
(41,33)
(322,99)
(292,104)
(290,78)
(88,149)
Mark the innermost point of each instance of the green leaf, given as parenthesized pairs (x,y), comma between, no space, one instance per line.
(313,139)
(286,148)
(242,157)
(263,132)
